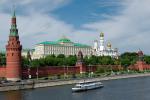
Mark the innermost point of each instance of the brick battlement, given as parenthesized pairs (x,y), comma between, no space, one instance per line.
(139,66)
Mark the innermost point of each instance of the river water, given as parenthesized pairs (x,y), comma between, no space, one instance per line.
(122,89)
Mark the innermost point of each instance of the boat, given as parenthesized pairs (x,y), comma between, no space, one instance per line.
(84,86)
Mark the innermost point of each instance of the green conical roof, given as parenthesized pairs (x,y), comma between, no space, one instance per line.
(13,30)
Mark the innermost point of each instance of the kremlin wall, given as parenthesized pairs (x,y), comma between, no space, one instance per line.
(13,72)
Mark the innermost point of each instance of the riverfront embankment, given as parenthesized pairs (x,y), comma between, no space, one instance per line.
(32,84)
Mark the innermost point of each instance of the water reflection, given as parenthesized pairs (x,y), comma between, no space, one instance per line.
(14,95)
(125,89)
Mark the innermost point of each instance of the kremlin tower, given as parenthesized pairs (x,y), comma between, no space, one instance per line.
(13,53)
(80,62)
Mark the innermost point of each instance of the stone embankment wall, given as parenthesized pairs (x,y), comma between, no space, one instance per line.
(13,86)
(46,83)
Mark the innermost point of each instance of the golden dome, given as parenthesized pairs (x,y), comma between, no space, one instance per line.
(101,34)
(109,45)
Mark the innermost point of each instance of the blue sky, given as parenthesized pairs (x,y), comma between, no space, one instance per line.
(78,12)
(124,22)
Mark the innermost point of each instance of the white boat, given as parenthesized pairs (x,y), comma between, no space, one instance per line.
(83,86)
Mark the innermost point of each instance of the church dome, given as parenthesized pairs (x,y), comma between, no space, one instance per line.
(101,34)
(109,45)
(64,40)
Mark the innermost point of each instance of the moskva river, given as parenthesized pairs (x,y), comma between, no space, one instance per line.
(123,89)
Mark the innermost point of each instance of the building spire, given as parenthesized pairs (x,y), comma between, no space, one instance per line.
(13,30)
(14,15)
(13,11)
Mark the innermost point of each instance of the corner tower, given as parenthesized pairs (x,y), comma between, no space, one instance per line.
(13,53)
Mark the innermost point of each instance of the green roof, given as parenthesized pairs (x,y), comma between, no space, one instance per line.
(49,43)
(64,41)
(80,45)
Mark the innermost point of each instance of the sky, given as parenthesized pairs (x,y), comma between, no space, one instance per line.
(125,23)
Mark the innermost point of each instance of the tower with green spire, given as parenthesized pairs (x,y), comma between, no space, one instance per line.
(13,30)
(13,53)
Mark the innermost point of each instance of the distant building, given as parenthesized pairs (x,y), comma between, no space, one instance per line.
(140,64)
(99,48)
(25,52)
(62,46)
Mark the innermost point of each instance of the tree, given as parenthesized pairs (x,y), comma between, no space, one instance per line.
(61,56)
(128,58)
(86,60)
(93,60)
(35,63)
(2,59)
(71,60)
(107,60)
(147,59)
(25,62)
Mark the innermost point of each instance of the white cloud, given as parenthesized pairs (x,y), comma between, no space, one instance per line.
(37,25)
(30,6)
(129,30)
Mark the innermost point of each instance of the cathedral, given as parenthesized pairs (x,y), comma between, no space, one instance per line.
(100,49)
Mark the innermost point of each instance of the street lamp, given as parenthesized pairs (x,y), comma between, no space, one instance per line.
(67,71)
(29,59)
(89,70)
(37,73)
(64,72)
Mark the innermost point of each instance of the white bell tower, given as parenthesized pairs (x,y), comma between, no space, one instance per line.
(101,41)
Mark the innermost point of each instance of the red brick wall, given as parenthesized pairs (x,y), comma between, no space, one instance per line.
(50,70)
(139,66)
(2,71)
(55,70)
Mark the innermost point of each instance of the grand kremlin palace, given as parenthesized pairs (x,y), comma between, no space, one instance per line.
(62,46)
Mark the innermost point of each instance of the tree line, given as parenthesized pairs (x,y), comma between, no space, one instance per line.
(125,59)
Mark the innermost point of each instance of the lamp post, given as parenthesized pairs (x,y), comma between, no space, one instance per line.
(67,71)
(37,73)
(89,70)
(29,67)
(64,72)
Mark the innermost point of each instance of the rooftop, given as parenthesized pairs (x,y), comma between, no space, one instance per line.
(63,41)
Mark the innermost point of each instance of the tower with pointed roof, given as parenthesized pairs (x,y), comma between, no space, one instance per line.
(101,41)
(13,53)
(80,63)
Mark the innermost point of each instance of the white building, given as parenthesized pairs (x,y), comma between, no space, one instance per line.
(99,48)
(62,46)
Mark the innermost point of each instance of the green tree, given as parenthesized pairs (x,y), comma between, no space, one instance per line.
(71,60)
(107,60)
(128,58)
(25,62)
(86,60)
(93,60)
(2,59)
(147,59)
